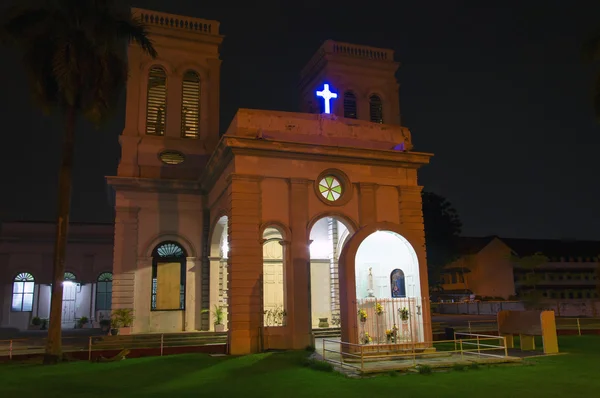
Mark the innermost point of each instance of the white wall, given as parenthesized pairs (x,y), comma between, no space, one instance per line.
(320,291)
(384,252)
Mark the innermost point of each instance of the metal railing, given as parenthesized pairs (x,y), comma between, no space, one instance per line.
(579,324)
(157,343)
(358,356)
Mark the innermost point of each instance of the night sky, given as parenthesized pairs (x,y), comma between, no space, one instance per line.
(495,89)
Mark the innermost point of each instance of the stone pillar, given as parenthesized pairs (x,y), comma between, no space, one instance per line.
(213,286)
(125,259)
(174,90)
(211,135)
(367,204)
(298,269)
(411,220)
(192,295)
(245,266)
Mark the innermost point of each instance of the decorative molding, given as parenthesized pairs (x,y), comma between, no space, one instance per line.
(137,184)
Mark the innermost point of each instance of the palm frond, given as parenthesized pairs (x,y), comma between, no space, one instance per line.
(135,31)
(20,24)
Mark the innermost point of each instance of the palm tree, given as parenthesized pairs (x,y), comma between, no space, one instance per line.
(591,53)
(74,53)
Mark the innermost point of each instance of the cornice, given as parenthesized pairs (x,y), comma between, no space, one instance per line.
(137,184)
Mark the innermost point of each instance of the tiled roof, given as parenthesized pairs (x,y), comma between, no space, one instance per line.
(473,245)
(553,248)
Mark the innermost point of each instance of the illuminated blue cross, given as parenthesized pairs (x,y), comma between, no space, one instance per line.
(327,96)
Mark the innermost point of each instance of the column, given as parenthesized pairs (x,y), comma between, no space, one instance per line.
(192,297)
(367,204)
(245,266)
(213,286)
(211,135)
(174,90)
(125,259)
(298,282)
(411,219)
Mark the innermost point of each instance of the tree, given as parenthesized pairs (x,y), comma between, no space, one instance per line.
(74,54)
(442,229)
(531,296)
(598,277)
(591,54)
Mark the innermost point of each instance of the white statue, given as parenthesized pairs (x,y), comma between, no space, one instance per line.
(370,284)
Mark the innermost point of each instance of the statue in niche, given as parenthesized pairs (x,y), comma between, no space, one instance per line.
(398,284)
(370,283)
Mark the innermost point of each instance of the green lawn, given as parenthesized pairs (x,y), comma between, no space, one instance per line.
(283,375)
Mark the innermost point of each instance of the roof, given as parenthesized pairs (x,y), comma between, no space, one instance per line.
(473,245)
(552,248)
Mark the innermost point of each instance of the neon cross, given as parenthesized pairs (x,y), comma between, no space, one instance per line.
(327,96)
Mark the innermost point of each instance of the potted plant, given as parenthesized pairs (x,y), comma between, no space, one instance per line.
(366,339)
(218,315)
(36,323)
(379,309)
(44,324)
(105,325)
(404,314)
(362,315)
(121,321)
(82,322)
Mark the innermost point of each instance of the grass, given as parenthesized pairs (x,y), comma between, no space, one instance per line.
(289,374)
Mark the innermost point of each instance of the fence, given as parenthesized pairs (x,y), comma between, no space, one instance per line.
(93,347)
(581,325)
(372,358)
(570,308)
(391,320)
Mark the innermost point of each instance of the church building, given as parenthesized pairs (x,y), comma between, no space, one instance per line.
(287,222)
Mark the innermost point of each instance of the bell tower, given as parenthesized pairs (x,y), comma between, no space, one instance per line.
(172,111)
(362,77)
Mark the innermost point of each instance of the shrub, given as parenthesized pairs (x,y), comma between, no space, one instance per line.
(459,367)
(425,369)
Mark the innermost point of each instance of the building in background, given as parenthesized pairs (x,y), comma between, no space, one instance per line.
(486,269)
(26,255)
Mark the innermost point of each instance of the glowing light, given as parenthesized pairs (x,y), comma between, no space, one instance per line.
(327,96)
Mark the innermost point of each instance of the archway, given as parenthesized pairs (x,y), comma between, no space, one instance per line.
(327,236)
(219,250)
(376,265)
(273,278)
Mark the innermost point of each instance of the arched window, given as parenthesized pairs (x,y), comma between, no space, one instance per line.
(22,299)
(350,105)
(190,105)
(104,291)
(168,277)
(398,285)
(376,109)
(69,277)
(156,108)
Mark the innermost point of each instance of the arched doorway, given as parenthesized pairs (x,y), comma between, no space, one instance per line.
(69,302)
(327,238)
(219,253)
(168,277)
(381,280)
